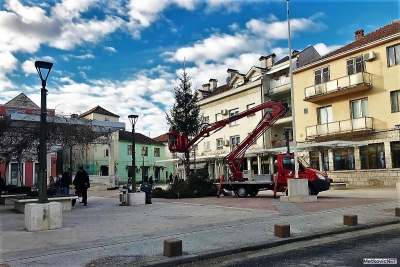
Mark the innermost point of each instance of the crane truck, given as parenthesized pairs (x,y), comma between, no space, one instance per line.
(247,184)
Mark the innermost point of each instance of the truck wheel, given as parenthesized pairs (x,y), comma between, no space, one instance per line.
(253,193)
(311,190)
(242,191)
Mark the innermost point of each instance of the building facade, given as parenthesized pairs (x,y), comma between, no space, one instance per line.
(353,94)
(26,170)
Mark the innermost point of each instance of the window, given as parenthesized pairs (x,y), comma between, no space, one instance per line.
(207,146)
(129,148)
(220,143)
(343,159)
(321,75)
(325,115)
(288,163)
(234,140)
(74,156)
(105,152)
(81,154)
(355,65)
(395,101)
(233,112)
(206,119)
(107,118)
(393,55)
(144,151)
(156,152)
(250,106)
(395,152)
(359,108)
(373,156)
(15,111)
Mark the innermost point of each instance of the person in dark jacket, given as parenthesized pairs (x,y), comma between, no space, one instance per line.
(151,180)
(3,186)
(66,181)
(81,183)
(146,187)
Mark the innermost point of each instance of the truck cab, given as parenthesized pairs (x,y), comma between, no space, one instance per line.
(285,169)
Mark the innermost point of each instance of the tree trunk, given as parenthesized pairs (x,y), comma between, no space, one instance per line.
(187,165)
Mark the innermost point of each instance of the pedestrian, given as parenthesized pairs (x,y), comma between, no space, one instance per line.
(170,178)
(66,180)
(151,180)
(176,178)
(81,183)
(3,186)
(146,187)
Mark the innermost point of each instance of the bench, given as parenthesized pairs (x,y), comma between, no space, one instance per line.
(4,198)
(20,202)
(339,185)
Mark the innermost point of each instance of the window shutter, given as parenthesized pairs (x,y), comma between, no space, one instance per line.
(350,68)
(317,76)
(325,74)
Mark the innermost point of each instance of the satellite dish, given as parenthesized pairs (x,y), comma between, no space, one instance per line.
(228,79)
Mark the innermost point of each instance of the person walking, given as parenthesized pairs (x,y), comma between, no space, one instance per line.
(151,180)
(170,178)
(66,180)
(81,183)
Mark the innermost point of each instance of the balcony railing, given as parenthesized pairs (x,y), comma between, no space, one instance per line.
(282,84)
(364,124)
(344,85)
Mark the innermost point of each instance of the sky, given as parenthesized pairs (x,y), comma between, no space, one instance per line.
(127,56)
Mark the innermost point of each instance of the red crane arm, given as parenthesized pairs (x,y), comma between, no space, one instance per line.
(178,141)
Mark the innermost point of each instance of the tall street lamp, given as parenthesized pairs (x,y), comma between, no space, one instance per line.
(143,154)
(42,66)
(133,119)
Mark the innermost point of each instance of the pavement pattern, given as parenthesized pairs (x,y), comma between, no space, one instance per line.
(106,234)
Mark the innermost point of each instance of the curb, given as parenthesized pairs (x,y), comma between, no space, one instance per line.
(206,255)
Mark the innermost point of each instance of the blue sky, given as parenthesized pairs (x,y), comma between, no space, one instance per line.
(126,56)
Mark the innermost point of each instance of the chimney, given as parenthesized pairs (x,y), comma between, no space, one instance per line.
(359,34)
(206,87)
(213,83)
(267,61)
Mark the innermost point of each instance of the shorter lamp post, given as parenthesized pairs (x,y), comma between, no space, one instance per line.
(143,154)
(133,119)
(43,66)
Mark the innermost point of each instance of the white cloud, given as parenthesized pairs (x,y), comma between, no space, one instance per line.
(324,49)
(279,29)
(64,28)
(28,67)
(143,13)
(8,63)
(216,48)
(84,67)
(85,56)
(110,49)
(228,6)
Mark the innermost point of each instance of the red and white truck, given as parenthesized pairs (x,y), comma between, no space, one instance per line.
(249,184)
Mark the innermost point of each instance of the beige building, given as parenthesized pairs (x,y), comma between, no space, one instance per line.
(353,94)
(241,92)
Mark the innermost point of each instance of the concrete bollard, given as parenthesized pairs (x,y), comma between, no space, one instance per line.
(172,247)
(350,220)
(282,230)
(397,212)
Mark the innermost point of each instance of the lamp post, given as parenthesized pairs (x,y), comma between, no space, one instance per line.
(143,154)
(133,119)
(42,66)
(296,164)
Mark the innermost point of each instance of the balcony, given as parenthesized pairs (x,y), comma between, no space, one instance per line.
(345,127)
(279,85)
(344,85)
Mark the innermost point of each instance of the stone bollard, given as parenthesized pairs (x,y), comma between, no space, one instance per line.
(350,220)
(397,212)
(282,230)
(172,247)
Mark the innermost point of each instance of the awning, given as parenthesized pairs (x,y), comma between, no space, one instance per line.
(198,166)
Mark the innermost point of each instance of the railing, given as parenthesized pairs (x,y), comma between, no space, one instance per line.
(341,127)
(344,83)
(277,86)
(288,113)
